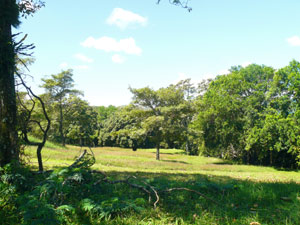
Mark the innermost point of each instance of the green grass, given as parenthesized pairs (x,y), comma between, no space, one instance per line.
(243,193)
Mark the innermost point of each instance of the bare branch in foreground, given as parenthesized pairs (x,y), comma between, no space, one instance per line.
(147,189)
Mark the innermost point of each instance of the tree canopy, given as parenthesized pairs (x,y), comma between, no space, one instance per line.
(60,88)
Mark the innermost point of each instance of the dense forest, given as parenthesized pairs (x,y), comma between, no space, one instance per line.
(250,115)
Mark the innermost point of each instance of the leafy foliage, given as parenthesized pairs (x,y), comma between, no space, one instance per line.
(63,196)
(156,118)
(59,88)
(75,196)
(251,115)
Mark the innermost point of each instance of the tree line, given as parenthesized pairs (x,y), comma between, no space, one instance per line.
(250,115)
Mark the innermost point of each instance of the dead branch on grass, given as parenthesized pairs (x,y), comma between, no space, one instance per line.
(147,188)
(190,190)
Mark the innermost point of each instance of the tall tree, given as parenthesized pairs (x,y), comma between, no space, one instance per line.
(230,107)
(164,111)
(9,16)
(81,120)
(275,136)
(59,87)
(118,128)
(189,91)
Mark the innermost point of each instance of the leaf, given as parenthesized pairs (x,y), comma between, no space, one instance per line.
(66,208)
(288,199)
(87,204)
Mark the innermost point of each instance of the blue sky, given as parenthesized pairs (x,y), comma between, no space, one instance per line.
(111,45)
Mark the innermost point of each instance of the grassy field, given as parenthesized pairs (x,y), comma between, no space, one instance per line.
(235,194)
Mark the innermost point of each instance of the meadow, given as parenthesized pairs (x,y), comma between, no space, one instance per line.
(232,194)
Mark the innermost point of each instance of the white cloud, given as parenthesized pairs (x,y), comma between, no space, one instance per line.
(195,80)
(207,76)
(245,64)
(81,67)
(181,76)
(116,58)
(109,44)
(123,18)
(63,65)
(118,98)
(294,41)
(223,72)
(83,58)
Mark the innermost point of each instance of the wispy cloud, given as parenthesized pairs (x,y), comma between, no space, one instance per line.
(194,80)
(123,18)
(81,67)
(63,65)
(207,76)
(116,58)
(226,71)
(223,72)
(245,64)
(83,58)
(109,44)
(294,40)
(181,76)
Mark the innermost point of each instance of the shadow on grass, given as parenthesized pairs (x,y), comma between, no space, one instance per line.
(286,169)
(224,200)
(173,161)
(173,153)
(224,163)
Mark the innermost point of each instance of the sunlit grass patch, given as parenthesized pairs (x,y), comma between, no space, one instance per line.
(172,161)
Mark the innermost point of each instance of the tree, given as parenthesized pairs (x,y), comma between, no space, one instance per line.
(118,129)
(28,117)
(163,112)
(275,135)
(230,107)
(81,120)
(59,87)
(155,118)
(189,90)
(183,4)
(9,16)
(103,114)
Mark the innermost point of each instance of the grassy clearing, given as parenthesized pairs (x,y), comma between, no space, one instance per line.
(172,161)
(244,194)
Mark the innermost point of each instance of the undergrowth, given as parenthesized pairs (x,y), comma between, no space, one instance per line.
(75,196)
(78,195)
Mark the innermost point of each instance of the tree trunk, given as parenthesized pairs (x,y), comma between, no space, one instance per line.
(80,141)
(39,156)
(157,151)
(61,119)
(8,119)
(187,143)
(187,146)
